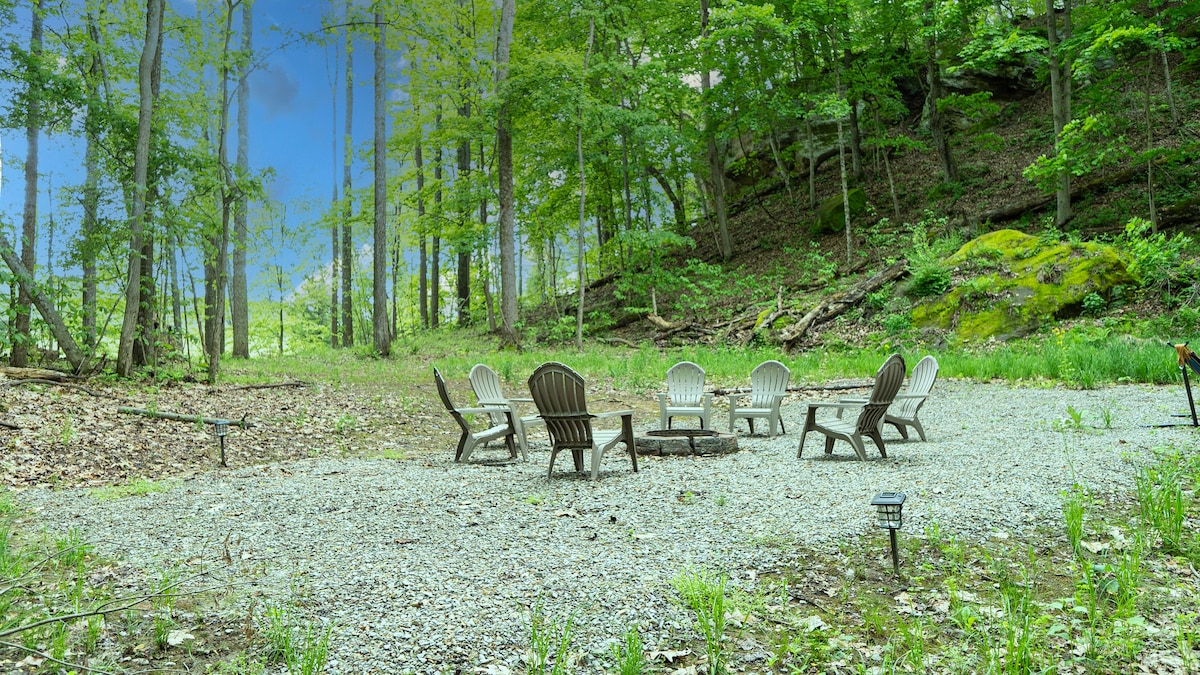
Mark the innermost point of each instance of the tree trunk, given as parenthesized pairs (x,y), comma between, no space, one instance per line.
(716,160)
(335,246)
(151,56)
(217,254)
(845,195)
(937,126)
(379,319)
(89,228)
(582,195)
(435,273)
(146,334)
(33,129)
(504,174)
(676,203)
(44,306)
(423,262)
(1060,85)
(347,234)
(463,276)
(238,301)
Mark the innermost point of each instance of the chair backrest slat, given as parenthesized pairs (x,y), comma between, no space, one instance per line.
(768,380)
(685,383)
(445,396)
(560,397)
(888,379)
(486,386)
(919,383)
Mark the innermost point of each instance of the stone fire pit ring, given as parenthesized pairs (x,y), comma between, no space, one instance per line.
(666,442)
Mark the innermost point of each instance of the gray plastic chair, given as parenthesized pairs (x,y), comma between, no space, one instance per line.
(903,411)
(685,396)
(560,397)
(486,385)
(870,413)
(470,439)
(768,387)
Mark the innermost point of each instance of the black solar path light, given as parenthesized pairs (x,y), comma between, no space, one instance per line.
(220,430)
(889,507)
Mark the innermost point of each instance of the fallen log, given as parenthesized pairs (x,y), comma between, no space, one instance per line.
(276,385)
(33,373)
(177,417)
(619,341)
(836,305)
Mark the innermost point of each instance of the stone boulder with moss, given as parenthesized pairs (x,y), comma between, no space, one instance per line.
(1008,284)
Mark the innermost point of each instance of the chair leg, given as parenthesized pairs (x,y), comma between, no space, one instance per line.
(750,421)
(597,454)
(900,428)
(857,444)
(630,440)
(878,443)
(577,455)
(461,454)
(669,422)
(800,450)
(829,440)
(509,440)
(553,455)
(920,429)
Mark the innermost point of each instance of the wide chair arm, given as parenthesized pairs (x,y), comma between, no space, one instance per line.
(615,413)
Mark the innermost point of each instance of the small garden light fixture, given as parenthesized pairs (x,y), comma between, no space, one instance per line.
(889,507)
(220,430)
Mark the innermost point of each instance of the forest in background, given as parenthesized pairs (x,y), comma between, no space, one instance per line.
(527,146)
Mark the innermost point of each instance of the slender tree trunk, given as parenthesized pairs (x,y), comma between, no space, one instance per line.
(335,246)
(716,158)
(504,176)
(177,331)
(238,301)
(379,320)
(423,261)
(435,273)
(146,334)
(33,129)
(812,165)
(89,229)
(151,55)
(463,277)
(1149,147)
(1060,84)
(676,202)
(44,306)
(347,227)
(582,194)
(1162,50)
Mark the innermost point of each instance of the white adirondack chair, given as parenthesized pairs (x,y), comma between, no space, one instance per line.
(768,387)
(685,396)
(471,439)
(486,385)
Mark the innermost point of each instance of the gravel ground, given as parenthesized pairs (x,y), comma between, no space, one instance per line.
(427,566)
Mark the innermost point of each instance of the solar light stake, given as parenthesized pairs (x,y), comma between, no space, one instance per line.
(889,507)
(220,429)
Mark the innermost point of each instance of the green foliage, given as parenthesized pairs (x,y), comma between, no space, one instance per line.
(136,487)
(550,642)
(929,275)
(1157,260)
(704,593)
(629,654)
(1083,147)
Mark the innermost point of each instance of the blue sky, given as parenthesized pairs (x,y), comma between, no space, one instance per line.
(290,124)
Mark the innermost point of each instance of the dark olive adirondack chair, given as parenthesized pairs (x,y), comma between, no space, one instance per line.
(559,394)
(870,413)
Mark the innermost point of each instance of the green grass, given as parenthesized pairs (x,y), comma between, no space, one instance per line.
(1082,358)
(138,487)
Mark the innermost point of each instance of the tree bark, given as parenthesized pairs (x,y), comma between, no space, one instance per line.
(582,192)
(347,234)
(463,276)
(44,306)
(716,160)
(151,55)
(504,174)
(379,319)
(1060,86)
(33,129)
(89,228)
(937,126)
(676,203)
(423,261)
(238,301)
(435,272)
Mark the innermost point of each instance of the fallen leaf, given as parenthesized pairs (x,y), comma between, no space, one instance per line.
(669,656)
(178,637)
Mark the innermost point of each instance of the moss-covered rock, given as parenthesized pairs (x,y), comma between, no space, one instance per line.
(831,216)
(1010,283)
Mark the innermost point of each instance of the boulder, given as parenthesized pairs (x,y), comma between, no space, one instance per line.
(831,216)
(1008,284)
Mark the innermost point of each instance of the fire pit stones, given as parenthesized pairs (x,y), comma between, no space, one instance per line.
(685,442)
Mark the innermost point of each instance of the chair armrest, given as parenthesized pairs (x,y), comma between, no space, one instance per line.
(521,400)
(842,406)
(615,413)
(489,411)
(662,398)
(911,396)
(707,397)
(853,399)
